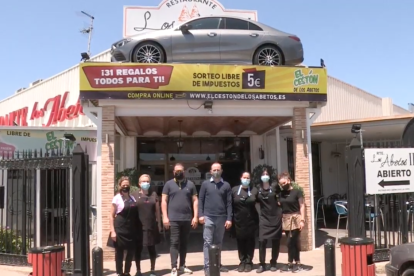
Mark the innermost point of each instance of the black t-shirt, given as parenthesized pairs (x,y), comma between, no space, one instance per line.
(180,199)
(290,201)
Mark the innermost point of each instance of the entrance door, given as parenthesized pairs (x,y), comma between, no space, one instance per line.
(232,172)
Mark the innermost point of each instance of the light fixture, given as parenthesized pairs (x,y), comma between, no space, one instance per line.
(208,105)
(180,142)
(237,138)
(172,158)
(69,136)
(85,57)
(356,128)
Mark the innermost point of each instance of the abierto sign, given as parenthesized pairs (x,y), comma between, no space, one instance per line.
(201,81)
(389,171)
(171,13)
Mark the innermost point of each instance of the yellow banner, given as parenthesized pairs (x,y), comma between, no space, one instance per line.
(132,80)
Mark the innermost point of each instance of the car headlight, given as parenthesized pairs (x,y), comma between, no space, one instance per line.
(120,43)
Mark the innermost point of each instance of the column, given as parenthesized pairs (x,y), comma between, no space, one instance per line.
(108,174)
(302,171)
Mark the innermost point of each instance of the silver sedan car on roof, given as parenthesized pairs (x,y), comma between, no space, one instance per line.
(213,39)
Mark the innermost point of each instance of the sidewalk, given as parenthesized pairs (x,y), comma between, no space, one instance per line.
(229,258)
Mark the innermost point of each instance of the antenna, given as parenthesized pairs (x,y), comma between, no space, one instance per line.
(88,31)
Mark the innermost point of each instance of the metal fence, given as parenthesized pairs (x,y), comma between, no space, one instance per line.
(389,217)
(35,193)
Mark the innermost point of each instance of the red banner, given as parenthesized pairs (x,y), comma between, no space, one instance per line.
(146,76)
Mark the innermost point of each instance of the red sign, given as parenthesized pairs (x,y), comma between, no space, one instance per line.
(128,76)
(55,107)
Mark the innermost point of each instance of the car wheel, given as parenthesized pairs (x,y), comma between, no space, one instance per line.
(408,272)
(148,52)
(268,56)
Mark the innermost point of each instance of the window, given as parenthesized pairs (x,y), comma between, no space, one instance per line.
(236,24)
(205,23)
(254,27)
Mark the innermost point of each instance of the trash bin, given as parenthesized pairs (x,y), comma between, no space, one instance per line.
(357,256)
(46,261)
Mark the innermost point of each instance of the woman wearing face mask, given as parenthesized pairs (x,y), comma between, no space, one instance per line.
(150,218)
(245,221)
(123,221)
(270,222)
(293,221)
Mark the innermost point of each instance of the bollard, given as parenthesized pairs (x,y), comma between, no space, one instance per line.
(330,261)
(214,260)
(97,261)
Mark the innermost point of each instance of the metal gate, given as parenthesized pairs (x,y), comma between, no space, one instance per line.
(35,193)
(389,217)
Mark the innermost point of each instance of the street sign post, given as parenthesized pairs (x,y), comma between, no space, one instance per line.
(389,171)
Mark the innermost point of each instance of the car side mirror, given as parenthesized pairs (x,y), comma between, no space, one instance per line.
(185,28)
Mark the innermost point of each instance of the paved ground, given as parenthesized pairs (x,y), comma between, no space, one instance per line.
(229,258)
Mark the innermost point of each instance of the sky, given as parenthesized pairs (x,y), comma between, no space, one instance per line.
(366,43)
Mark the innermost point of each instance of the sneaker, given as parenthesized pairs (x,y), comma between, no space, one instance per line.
(174,272)
(261,269)
(241,268)
(273,267)
(224,269)
(126,274)
(301,267)
(152,273)
(185,269)
(248,268)
(287,268)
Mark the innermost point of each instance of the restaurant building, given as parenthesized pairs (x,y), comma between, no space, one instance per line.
(167,116)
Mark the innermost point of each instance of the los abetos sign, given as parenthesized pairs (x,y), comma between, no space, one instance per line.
(389,171)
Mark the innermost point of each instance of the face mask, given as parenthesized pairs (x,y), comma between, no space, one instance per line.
(216,174)
(126,189)
(286,187)
(179,176)
(265,178)
(145,186)
(245,182)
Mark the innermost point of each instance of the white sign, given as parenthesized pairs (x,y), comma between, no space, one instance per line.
(389,171)
(171,13)
(193,174)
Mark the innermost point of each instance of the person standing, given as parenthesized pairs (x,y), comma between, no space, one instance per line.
(270,222)
(215,212)
(125,228)
(245,219)
(150,218)
(293,221)
(180,213)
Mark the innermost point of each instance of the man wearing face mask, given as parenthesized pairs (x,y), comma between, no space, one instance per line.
(215,211)
(180,212)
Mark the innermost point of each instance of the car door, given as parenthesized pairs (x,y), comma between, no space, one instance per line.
(200,44)
(239,39)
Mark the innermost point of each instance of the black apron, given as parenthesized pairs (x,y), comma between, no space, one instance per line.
(147,216)
(270,222)
(126,224)
(244,213)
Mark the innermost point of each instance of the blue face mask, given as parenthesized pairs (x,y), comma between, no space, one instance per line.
(245,182)
(265,178)
(145,186)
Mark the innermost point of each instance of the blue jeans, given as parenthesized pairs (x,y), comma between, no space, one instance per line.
(213,234)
